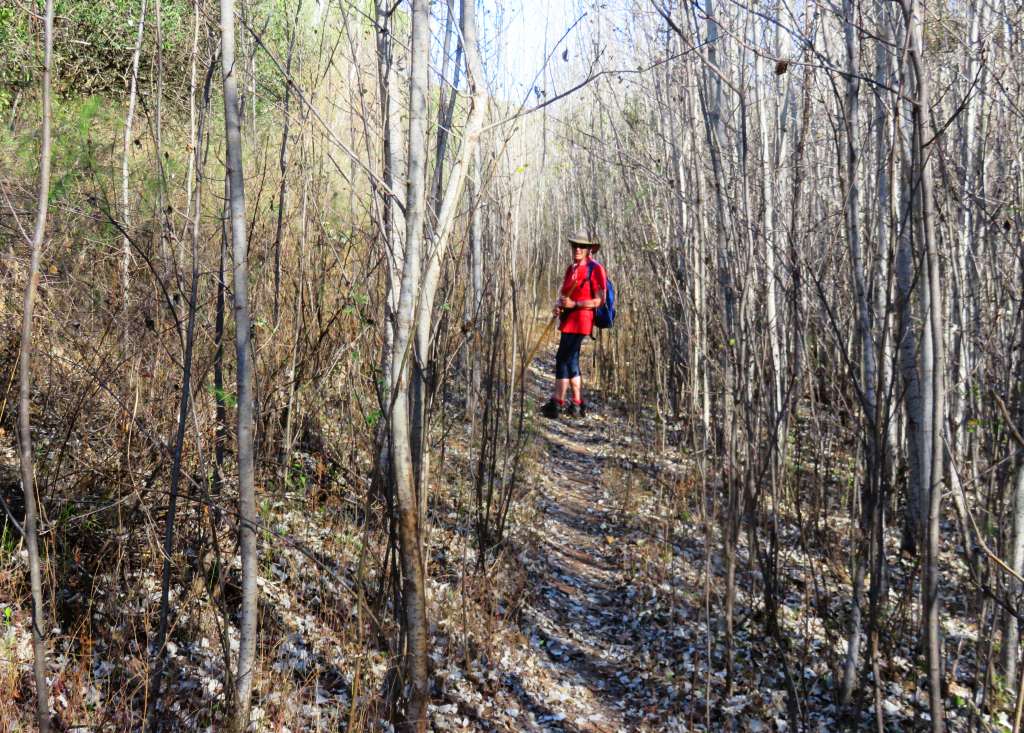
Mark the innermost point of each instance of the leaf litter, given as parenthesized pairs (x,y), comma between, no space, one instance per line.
(603,612)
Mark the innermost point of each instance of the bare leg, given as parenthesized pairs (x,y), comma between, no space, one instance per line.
(577,387)
(561,387)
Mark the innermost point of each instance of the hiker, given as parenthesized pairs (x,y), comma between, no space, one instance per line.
(583,290)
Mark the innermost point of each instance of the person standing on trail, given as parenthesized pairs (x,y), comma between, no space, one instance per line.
(583,290)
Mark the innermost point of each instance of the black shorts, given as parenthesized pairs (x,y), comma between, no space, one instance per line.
(567,359)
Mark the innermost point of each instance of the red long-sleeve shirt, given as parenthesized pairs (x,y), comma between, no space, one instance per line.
(578,287)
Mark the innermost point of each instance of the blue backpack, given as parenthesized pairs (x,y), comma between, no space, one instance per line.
(604,315)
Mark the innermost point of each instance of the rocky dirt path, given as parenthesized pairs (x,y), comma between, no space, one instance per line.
(590,646)
(581,610)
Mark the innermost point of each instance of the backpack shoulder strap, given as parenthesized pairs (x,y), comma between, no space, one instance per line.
(591,266)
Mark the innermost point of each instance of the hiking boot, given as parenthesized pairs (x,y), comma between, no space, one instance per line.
(581,409)
(550,409)
(571,410)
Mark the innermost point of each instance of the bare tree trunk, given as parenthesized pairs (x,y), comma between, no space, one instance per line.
(886,435)
(476,273)
(246,468)
(771,157)
(283,163)
(299,322)
(414,602)
(865,327)
(414,310)
(392,242)
(965,249)
(393,219)
(446,107)
(423,368)
(193,140)
(1010,650)
(933,364)
(918,464)
(219,393)
(179,441)
(158,135)
(125,153)
(965,283)
(25,391)
(714,125)
(885,233)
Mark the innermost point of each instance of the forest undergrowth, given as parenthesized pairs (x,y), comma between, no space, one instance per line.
(598,612)
(273,278)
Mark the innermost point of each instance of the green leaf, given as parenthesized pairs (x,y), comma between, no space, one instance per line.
(222,395)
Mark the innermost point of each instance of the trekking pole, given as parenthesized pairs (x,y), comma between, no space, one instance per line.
(544,335)
(536,346)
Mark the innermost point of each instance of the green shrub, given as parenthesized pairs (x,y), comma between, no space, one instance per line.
(93,45)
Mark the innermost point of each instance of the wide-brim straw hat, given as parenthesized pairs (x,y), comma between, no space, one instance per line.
(582,240)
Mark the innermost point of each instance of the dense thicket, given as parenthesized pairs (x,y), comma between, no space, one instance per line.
(813,216)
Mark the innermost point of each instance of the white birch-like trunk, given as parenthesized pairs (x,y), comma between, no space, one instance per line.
(39,665)
(126,256)
(438,247)
(918,464)
(933,364)
(865,331)
(1010,650)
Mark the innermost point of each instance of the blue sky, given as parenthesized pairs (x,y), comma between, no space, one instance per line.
(522,27)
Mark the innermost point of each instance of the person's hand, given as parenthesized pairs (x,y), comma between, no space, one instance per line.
(557,310)
(566,302)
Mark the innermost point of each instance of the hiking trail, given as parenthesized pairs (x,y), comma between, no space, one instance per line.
(587,658)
